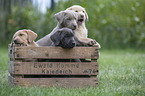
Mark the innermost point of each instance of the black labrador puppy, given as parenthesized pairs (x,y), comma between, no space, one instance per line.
(64,37)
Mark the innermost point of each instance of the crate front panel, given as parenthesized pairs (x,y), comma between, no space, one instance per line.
(57,52)
(53,68)
(62,82)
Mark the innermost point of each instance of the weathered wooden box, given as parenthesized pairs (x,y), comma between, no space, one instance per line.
(53,66)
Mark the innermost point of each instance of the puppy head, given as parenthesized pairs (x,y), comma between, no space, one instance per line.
(67,19)
(24,37)
(82,14)
(64,37)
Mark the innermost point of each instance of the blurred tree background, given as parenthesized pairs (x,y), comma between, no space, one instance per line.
(113,23)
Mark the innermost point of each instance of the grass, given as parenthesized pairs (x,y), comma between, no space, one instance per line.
(121,72)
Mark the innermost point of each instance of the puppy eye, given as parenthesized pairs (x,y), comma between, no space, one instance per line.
(76,11)
(21,34)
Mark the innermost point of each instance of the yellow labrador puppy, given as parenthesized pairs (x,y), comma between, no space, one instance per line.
(24,38)
(81,33)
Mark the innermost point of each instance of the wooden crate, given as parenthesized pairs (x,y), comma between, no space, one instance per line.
(39,66)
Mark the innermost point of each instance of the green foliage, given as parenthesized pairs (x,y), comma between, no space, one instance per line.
(121,73)
(113,23)
(30,18)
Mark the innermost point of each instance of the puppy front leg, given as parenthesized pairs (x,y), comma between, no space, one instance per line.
(87,41)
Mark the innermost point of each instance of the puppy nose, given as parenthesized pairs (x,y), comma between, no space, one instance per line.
(15,40)
(73,43)
(75,26)
(82,15)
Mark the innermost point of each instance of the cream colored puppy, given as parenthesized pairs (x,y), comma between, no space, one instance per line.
(24,38)
(81,33)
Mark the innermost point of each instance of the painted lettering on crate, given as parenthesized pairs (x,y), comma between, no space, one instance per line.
(65,68)
(58,65)
(38,65)
(91,71)
(57,68)
(44,71)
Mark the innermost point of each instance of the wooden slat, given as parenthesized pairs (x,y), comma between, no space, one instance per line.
(10,80)
(11,67)
(61,82)
(11,52)
(57,52)
(53,68)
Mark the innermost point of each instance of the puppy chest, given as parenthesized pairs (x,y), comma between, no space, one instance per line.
(81,32)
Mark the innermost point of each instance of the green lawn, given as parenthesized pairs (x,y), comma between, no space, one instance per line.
(121,72)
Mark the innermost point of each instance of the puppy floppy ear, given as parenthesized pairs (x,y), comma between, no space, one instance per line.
(56,37)
(86,14)
(59,16)
(70,8)
(31,35)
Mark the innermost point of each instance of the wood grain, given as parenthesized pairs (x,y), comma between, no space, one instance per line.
(53,68)
(57,52)
(11,52)
(59,82)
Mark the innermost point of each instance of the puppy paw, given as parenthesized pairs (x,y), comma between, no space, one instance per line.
(97,45)
(92,42)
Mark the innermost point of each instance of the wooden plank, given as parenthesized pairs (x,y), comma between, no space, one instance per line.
(53,68)
(11,52)
(57,52)
(11,67)
(60,82)
(10,80)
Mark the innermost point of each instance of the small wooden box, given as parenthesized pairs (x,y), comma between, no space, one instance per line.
(53,66)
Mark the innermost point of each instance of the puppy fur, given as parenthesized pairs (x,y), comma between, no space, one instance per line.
(66,19)
(64,37)
(24,38)
(81,33)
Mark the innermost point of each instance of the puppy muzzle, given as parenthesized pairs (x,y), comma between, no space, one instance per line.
(15,41)
(74,27)
(69,45)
